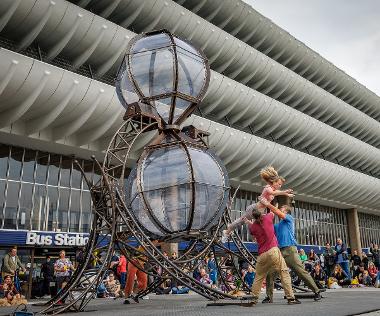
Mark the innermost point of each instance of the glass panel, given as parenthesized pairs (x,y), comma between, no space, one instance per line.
(206,169)
(40,213)
(11,205)
(124,88)
(180,106)
(163,108)
(2,200)
(26,206)
(52,208)
(191,73)
(165,167)
(86,212)
(42,163)
(29,166)
(55,161)
(65,172)
(171,206)
(152,42)
(153,71)
(63,209)
(76,176)
(15,163)
(139,210)
(4,154)
(74,210)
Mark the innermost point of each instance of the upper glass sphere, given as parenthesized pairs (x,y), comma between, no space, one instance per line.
(177,189)
(165,72)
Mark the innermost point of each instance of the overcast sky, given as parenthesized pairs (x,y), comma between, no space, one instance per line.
(345,32)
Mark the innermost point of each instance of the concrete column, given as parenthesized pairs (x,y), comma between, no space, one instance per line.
(353,230)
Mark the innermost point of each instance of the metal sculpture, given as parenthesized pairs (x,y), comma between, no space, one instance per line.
(178,189)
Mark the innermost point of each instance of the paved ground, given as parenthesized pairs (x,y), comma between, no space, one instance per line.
(335,302)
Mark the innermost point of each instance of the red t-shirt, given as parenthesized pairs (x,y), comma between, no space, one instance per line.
(122,265)
(264,233)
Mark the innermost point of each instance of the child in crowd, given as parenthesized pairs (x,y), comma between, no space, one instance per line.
(272,189)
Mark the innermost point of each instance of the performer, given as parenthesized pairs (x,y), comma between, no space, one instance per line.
(133,271)
(270,259)
(288,246)
(272,189)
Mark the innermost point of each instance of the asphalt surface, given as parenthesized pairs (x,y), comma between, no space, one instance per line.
(335,302)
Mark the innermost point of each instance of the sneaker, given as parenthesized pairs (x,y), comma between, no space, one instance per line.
(126,302)
(146,297)
(317,296)
(267,300)
(225,236)
(293,301)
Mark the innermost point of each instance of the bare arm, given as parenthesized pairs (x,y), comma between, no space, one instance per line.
(288,193)
(276,211)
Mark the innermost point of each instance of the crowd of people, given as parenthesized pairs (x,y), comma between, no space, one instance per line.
(334,268)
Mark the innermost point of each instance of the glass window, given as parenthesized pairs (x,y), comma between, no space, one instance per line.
(76,176)
(15,163)
(40,202)
(65,172)
(42,166)
(86,212)
(2,200)
(54,166)
(29,165)
(26,206)
(63,209)
(52,208)
(11,205)
(4,154)
(75,210)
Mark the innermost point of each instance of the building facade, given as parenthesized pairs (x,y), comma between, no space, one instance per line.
(271,100)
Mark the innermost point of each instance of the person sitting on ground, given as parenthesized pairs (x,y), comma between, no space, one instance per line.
(112,285)
(359,271)
(230,280)
(319,276)
(365,279)
(204,277)
(365,260)
(9,294)
(249,275)
(372,271)
(341,276)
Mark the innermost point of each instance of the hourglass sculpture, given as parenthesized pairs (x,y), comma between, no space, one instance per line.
(177,190)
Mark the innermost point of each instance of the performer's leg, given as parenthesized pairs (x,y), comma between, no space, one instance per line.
(270,285)
(294,262)
(142,280)
(281,267)
(262,266)
(130,279)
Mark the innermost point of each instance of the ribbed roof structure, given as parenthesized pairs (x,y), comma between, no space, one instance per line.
(58,60)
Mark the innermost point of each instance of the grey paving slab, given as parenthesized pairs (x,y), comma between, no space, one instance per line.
(338,302)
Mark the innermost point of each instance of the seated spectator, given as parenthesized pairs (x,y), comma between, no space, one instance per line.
(340,276)
(249,275)
(179,289)
(230,279)
(112,285)
(303,255)
(204,277)
(313,257)
(372,271)
(365,260)
(365,279)
(359,271)
(9,294)
(319,276)
(164,288)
